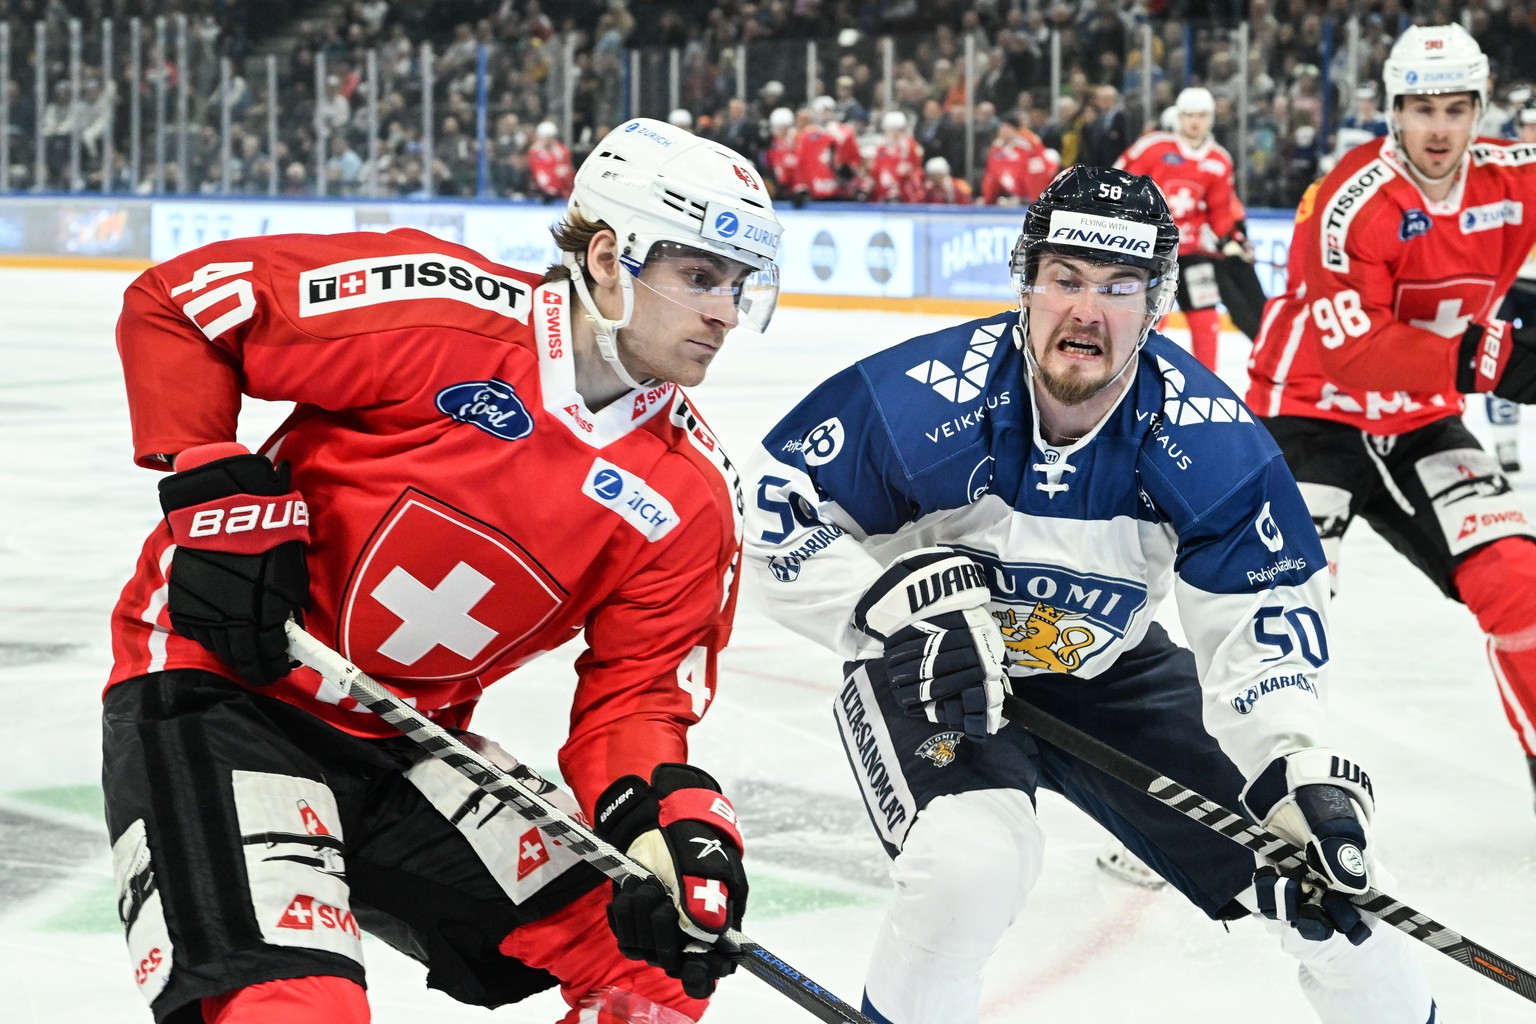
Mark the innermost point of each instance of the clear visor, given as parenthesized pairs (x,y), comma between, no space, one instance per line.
(709,284)
(1047,276)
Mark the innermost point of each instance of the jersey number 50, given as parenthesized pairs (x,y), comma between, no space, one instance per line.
(1292,629)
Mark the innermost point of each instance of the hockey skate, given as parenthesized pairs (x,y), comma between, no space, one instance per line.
(1126,866)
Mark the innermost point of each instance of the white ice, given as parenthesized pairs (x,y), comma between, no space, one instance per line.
(1412,698)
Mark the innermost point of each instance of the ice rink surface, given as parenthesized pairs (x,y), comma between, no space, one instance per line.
(1412,699)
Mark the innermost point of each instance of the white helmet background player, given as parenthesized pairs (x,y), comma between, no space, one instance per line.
(655,183)
(1433,60)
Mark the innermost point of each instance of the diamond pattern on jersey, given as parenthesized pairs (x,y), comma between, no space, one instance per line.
(1182,410)
(964,384)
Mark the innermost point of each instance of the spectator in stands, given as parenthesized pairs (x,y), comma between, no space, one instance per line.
(940,186)
(1108,131)
(343,167)
(740,131)
(849,109)
(1063,133)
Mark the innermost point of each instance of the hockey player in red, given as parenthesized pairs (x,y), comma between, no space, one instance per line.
(1195,174)
(779,158)
(481,464)
(897,167)
(826,155)
(549,163)
(940,186)
(1400,257)
(1019,165)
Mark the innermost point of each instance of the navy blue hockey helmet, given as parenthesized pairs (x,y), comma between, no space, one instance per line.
(1103,215)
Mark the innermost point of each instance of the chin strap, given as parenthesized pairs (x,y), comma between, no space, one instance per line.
(606,330)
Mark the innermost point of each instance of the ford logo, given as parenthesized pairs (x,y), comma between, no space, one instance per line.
(492,405)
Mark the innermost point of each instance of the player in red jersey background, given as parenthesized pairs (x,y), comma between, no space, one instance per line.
(1019,165)
(1400,257)
(1195,175)
(481,464)
(549,163)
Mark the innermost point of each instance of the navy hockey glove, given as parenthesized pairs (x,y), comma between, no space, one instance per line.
(1313,910)
(680,827)
(1322,802)
(1498,357)
(943,650)
(238,572)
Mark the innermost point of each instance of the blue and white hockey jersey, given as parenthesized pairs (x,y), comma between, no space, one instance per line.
(935,442)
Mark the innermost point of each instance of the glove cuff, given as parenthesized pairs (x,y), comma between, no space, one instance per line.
(1278,783)
(1481,356)
(920,585)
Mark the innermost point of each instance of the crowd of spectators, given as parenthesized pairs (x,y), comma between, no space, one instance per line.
(536,68)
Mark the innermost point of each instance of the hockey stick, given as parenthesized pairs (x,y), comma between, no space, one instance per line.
(1287,857)
(554,822)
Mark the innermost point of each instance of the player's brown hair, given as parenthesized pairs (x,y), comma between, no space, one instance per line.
(573,234)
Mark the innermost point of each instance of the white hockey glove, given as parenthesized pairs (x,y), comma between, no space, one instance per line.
(943,650)
(1322,802)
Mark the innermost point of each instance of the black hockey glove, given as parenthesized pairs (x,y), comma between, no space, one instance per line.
(943,650)
(238,572)
(1313,910)
(1498,357)
(1322,802)
(680,827)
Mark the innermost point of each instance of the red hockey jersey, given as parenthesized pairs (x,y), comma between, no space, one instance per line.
(897,171)
(468,511)
(551,169)
(1018,170)
(1383,284)
(1196,182)
(820,152)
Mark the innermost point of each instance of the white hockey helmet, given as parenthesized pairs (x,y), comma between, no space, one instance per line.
(652,183)
(1430,60)
(546,130)
(1195,100)
(936,167)
(893,121)
(781,117)
(680,118)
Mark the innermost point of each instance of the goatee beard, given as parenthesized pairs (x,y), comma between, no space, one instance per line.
(1069,390)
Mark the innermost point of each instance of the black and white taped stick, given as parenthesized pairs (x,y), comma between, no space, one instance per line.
(1284,855)
(555,823)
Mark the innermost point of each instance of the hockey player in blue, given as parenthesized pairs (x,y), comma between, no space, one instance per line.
(1004,504)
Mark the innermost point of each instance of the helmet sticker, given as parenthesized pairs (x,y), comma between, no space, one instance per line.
(1131,238)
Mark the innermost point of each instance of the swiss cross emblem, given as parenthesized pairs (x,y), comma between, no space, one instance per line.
(1444,307)
(531,854)
(300,914)
(438,595)
(355,283)
(707,900)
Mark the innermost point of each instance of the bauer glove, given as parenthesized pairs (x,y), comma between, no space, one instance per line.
(1498,357)
(238,573)
(680,827)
